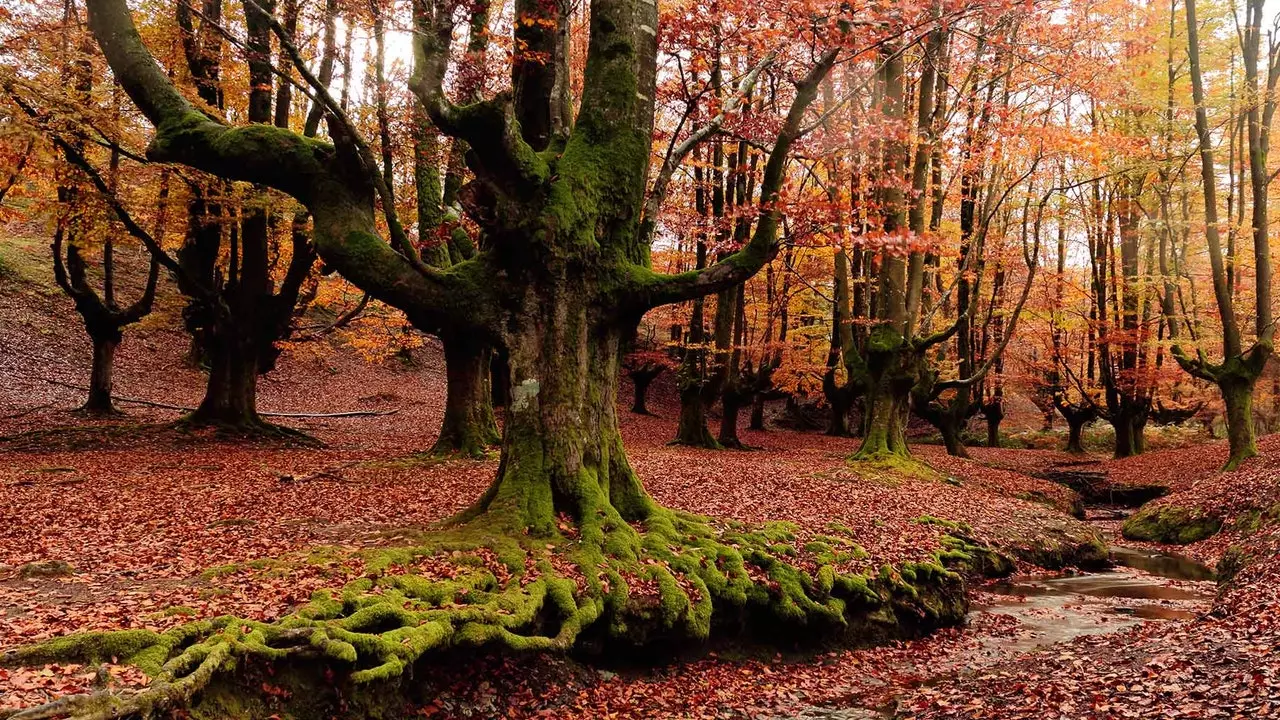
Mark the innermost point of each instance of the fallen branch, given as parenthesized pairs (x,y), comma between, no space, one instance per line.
(183,408)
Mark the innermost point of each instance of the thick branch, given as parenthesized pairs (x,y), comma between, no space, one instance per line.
(656,289)
(677,154)
(499,155)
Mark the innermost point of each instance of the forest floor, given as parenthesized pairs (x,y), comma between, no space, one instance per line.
(129,524)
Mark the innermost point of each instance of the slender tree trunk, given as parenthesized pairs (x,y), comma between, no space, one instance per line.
(757,412)
(839,404)
(469,427)
(730,405)
(994,413)
(100,378)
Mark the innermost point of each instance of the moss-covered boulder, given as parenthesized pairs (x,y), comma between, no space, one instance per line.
(1171,525)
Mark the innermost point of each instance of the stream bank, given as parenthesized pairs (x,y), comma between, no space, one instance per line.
(1024,613)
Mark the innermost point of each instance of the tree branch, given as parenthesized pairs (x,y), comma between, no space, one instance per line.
(677,154)
(656,289)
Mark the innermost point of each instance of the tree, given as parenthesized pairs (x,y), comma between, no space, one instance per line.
(469,427)
(79,227)
(560,283)
(237,311)
(1239,370)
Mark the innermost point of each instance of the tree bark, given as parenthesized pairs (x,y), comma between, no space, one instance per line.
(561,449)
(730,406)
(1075,435)
(1237,395)
(101,376)
(949,428)
(230,398)
(757,412)
(994,413)
(469,427)
(641,379)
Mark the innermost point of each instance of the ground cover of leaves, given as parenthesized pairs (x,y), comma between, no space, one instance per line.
(157,528)
(1225,665)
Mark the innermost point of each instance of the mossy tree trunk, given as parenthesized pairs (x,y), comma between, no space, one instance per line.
(888,378)
(562,451)
(1130,438)
(469,427)
(1237,395)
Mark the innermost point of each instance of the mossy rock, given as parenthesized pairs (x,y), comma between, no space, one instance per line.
(1171,525)
(46,569)
(1231,563)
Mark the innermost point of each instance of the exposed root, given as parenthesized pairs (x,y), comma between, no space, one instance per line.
(595,584)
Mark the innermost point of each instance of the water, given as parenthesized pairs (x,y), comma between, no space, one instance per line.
(1058,608)
(1145,586)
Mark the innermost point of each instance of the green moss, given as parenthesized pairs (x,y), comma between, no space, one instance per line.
(944,523)
(1170,524)
(95,647)
(46,569)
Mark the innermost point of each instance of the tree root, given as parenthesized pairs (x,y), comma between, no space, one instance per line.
(673,578)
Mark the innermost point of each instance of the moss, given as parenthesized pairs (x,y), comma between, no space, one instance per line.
(46,569)
(965,555)
(569,591)
(1233,560)
(944,523)
(93,647)
(1171,525)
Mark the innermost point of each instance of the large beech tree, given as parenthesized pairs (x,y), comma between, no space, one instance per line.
(564,274)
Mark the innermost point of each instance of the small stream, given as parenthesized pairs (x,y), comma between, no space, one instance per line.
(1144,586)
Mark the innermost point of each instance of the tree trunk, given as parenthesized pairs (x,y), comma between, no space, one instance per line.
(1129,426)
(1237,394)
(100,379)
(949,427)
(469,427)
(499,378)
(692,429)
(231,394)
(885,423)
(641,379)
(839,401)
(561,449)
(757,412)
(1075,433)
(730,404)
(994,413)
